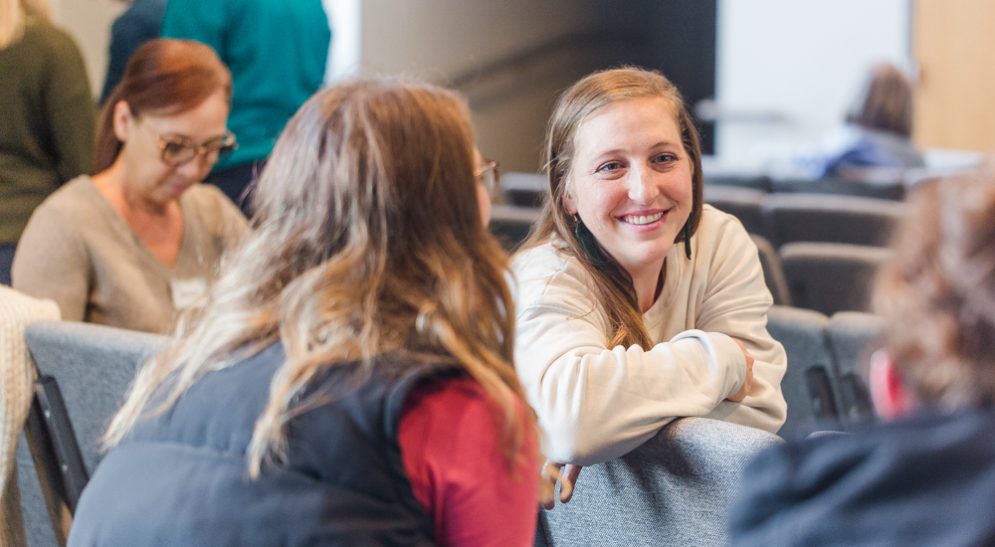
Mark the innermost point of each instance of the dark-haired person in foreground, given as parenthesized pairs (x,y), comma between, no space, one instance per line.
(350,380)
(926,476)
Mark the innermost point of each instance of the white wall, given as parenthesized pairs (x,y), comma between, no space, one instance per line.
(801,61)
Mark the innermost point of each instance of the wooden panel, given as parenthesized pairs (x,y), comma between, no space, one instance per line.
(955,48)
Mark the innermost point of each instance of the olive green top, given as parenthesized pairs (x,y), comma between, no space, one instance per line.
(47,120)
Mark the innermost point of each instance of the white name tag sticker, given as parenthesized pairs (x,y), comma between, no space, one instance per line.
(187,292)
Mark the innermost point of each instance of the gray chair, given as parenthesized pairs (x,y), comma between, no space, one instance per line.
(770,262)
(672,490)
(809,384)
(833,219)
(94,366)
(512,224)
(740,202)
(524,189)
(851,339)
(876,184)
(831,277)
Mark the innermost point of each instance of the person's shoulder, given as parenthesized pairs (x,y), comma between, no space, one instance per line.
(543,260)
(48,39)
(717,226)
(72,200)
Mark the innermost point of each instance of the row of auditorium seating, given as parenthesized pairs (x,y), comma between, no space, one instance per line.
(827,355)
(94,365)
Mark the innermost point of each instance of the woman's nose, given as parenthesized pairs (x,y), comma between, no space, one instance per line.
(642,186)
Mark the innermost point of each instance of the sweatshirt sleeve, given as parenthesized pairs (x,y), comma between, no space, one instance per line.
(736,302)
(595,402)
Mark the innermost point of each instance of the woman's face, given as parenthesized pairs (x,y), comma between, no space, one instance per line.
(630,181)
(146,172)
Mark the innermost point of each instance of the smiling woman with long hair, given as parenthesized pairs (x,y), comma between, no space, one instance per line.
(350,379)
(637,303)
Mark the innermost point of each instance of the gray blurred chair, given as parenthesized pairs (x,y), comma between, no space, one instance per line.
(809,385)
(879,184)
(851,340)
(512,224)
(742,203)
(770,262)
(672,490)
(524,189)
(831,277)
(834,219)
(94,366)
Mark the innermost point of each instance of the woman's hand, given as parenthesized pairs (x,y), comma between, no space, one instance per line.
(552,472)
(747,386)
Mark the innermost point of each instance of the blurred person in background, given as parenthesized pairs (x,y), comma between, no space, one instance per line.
(141,22)
(47,116)
(276,51)
(926,475)
(141,239)
(876,142)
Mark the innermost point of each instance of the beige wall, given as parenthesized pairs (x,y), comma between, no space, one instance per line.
(956,52)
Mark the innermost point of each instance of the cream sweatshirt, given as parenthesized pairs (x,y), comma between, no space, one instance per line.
(596,403)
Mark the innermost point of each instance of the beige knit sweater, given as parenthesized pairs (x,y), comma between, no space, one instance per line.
(16,377)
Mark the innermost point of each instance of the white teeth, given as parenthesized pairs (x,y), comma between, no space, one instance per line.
(642,219)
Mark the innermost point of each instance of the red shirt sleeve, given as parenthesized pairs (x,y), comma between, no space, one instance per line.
(451,450)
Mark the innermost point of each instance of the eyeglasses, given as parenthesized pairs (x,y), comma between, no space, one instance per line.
(489,175)
(177,150)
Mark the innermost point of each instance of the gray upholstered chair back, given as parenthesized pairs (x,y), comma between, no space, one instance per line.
(742,203)
(809,383)
(672,490)
(833,219)
(851,340)
(770,262)
(831,277)
(94,366)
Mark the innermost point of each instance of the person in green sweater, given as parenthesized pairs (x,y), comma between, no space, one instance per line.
(48,114)
(276,51)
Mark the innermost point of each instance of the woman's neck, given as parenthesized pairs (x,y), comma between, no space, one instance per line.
(648,284)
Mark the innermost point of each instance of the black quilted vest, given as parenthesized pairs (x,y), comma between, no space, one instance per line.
(180,477)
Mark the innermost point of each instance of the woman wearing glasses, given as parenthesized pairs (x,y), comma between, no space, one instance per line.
(137,241)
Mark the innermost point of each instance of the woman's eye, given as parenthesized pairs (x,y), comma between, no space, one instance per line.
(609,167)
(665,158)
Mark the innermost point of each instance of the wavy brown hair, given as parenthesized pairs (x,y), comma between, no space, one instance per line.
(937,294)
(367,240)
(616,294)
(164,76)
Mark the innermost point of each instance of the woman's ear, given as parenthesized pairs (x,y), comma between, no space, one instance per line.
(890,396)
(567,197)
(122,120)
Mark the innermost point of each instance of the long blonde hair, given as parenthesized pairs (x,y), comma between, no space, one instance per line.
(616,295)
(14,15)
(367,240)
